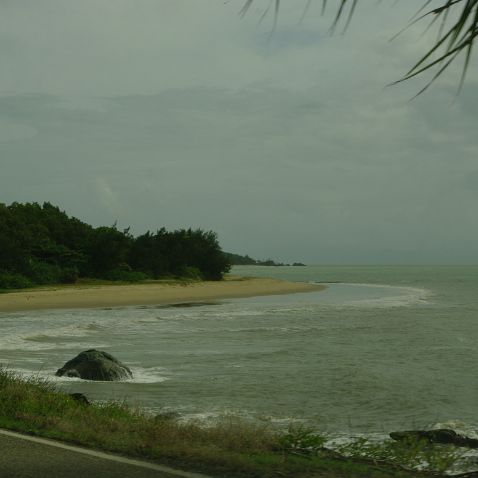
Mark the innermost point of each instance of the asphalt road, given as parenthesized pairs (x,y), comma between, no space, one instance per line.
(22,456)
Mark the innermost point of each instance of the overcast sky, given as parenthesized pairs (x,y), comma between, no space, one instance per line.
(179,113)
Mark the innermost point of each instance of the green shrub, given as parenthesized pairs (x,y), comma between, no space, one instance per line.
(69,275)
(44,273)
(301,440)
(10,280)
(190,273)
(126,275)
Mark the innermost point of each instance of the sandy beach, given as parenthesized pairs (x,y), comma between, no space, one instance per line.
(94,296)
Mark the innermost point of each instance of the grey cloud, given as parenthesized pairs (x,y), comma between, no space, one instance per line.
(249,162)
(160,113)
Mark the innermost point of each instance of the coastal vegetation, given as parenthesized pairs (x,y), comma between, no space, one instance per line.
(230,447)
(40,244)
(238,260)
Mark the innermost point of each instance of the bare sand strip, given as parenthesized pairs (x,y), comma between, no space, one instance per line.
(74,297)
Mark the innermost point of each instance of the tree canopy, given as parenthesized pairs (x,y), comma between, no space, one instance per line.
(40,244)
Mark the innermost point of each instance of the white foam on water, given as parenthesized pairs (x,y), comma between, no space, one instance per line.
(205,418)
(141,375)
(178,314)
(285,422)
(337,440)
(212,417)
(44,374)
(271,329)
(21,344)
(385,296)
(35,336)
(41,374)
(148,375)
(462,428)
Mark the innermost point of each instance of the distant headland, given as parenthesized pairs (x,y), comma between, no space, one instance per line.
(238,260)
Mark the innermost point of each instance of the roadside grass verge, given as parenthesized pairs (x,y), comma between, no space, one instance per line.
(230,448)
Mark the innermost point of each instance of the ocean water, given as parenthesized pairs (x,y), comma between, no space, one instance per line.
(381,349)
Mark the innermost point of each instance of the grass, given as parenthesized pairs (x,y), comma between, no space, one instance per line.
(231,448)
(87,283)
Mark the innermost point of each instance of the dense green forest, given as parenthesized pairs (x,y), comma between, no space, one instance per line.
(43,245)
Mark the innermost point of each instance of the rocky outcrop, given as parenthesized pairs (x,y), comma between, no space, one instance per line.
(442,435)
(95,365)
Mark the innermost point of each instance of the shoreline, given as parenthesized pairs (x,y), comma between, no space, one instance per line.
(100,296)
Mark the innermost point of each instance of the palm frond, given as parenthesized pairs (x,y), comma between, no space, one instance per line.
(452,40)
(306,9)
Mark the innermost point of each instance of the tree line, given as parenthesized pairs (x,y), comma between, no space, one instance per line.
(40,244)
(238,260)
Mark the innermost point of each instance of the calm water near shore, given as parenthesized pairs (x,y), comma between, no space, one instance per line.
(382,348)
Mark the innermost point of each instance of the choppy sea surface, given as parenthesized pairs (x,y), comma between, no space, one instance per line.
(381,349)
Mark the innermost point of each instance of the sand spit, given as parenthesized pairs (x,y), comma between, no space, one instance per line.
(94,296)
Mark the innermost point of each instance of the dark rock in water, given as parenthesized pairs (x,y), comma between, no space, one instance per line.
(442,435)
(95,365)
(80,398)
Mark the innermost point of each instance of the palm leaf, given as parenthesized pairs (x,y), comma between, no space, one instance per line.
(452,40)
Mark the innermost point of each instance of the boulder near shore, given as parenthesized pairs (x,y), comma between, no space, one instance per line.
(95,365)
(441,435)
